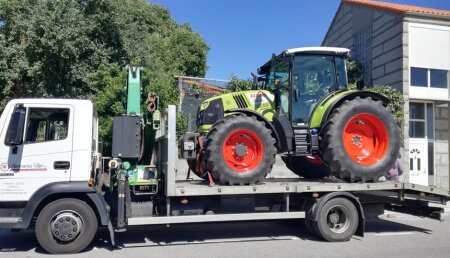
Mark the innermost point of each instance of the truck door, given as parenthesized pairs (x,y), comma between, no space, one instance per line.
(43,156)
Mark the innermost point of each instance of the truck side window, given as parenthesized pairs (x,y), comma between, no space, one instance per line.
(46,124)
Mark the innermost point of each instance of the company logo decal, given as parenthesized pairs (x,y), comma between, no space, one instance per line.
(5,167)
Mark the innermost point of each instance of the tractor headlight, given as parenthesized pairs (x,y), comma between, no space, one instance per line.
(205,104)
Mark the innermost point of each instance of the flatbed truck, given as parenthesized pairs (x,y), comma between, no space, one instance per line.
(52,180)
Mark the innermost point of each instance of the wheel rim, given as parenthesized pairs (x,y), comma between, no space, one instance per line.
(66,226)
(365,139)
(242,150)
(338,219)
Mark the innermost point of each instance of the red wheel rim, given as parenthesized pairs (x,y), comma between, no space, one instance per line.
(242,150)
(366,139)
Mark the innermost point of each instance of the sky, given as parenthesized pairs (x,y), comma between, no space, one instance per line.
(243,34)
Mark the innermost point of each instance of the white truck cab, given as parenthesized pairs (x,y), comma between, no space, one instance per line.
(47,149)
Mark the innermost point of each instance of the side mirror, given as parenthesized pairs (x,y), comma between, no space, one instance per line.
(360,85)
(14,134)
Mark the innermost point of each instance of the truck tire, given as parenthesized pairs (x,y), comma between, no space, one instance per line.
(360,141)
(338,220)
(307,207)
(66,226)
(239,150)
(307,167)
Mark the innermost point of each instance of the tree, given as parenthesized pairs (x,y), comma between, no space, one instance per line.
(79,48)
(237,84)
(353,71)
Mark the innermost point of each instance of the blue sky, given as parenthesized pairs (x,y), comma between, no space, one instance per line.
(243,34)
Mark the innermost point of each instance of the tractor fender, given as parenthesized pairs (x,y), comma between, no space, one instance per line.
(259,117)
(317,208)
(351,95)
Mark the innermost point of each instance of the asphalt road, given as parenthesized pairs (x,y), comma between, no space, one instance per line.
(392,236)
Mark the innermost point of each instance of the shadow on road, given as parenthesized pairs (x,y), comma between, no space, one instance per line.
(201,233)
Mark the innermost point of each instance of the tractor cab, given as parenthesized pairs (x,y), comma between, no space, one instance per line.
(300,78)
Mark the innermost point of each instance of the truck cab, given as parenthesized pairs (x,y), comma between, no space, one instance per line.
(45,142)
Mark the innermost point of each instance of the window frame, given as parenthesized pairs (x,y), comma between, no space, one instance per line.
(27,120)
(428,74)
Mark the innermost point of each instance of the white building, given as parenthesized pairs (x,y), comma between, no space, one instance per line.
(408,48)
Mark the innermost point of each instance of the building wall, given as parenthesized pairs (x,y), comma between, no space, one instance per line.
(380,41)
(441,146)
(427,45)
(340,32)
(376,41)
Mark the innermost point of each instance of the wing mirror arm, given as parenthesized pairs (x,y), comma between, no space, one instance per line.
(255,82)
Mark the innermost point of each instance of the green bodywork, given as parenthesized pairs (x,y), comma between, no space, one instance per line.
(321,108)
(140,172)
(134,90)
(261,101)
(266,106)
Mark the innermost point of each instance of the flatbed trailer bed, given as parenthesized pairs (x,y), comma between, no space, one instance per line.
(372,198)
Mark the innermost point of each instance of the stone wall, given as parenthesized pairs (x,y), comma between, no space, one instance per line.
(340,33)
(441,146)
(376,41)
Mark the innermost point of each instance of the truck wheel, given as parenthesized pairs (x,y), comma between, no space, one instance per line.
(360,141)
(66,226)
(239,150)
(308,207)
(307,167)
(338,220)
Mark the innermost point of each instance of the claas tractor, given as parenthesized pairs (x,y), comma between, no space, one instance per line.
(305,113)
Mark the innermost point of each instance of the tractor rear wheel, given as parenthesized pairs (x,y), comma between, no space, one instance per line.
(307,167)
(360,140)
(239,150)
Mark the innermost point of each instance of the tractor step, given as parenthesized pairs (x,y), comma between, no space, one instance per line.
(302,142)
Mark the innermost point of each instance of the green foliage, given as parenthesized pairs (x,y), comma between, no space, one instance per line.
(396,104)
(395,97)
(108,98)
(354,72)
(237,84)
(79,48)
(182,124)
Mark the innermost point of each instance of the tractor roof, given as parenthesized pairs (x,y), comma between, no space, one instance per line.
(317,50)
(307,50)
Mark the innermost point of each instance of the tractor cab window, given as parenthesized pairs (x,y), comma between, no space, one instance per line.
(278,82)
(341,73)
(313,77)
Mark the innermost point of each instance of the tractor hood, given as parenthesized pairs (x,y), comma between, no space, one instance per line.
(216,108)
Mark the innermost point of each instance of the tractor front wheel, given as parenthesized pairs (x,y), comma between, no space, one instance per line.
(239,150)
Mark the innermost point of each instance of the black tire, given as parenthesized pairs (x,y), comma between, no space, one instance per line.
(308,207)
(305,168)
(63,213)
(338,220)
(215,155)
(351,167)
